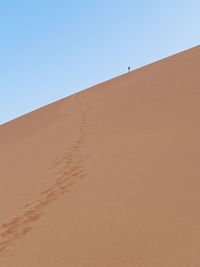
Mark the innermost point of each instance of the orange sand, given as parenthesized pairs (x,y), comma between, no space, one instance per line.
(109,177)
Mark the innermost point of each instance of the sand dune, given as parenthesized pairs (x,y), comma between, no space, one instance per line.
(109,176)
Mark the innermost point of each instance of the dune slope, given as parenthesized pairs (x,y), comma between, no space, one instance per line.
(109,176)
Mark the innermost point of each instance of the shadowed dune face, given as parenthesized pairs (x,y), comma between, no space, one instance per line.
(109,176)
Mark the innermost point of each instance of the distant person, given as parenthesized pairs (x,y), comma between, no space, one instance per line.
(129,68)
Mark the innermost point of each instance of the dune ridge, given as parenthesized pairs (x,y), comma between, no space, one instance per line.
(108,176)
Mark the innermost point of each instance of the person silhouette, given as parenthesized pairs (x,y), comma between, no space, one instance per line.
(129,68)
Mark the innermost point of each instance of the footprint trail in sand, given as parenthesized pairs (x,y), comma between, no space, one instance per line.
(71,171)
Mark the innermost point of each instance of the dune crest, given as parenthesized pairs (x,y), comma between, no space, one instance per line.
(108,176)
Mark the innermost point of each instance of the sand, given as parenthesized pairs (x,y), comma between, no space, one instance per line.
(108,177)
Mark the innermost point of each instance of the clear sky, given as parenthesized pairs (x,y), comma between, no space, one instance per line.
(50,49)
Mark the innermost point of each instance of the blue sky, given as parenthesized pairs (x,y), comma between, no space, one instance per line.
(52,49)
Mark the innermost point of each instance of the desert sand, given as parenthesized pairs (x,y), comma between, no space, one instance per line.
(108,177)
